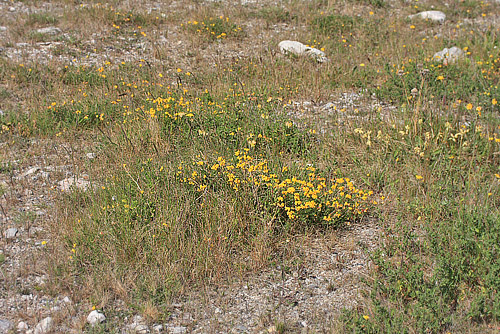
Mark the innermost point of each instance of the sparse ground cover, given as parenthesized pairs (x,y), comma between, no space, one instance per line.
(220,186)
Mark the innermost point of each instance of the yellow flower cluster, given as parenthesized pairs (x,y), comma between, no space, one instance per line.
(315,198)
(170,107)
(308,198)
(214,28)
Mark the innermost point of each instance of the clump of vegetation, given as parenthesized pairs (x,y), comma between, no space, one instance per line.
(214,28)
(202,171)
(41,19)
(335,24)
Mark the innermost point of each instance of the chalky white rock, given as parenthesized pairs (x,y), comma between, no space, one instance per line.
(299,49)
(44,326)
(11,233)
(49,31)
(448,55)
(433,15)
(95,318)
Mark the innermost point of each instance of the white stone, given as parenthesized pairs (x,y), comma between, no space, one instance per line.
(5,325)
(177,330)
(11,233)
(90,156)
(158,328)
(300,49)
(448,55)
(138,326)
(22,326)
(95,317)
(44,326)
(137,319)
(2,28)
(67,300)
(31,171)
(70,182)
(49,31)
(433,15)
(140,329)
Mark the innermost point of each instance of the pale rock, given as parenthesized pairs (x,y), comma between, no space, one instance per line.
(44,326)
(90,156)
(138,326)
(11,233)
(300,49)
(70,182)
(140,329)
(2,28)
(49,31)
(177,330)
(31,171)
(5,325)
(433,15)
(95,317)
(241,329)
(137,319)
(67,300)
(158,328)
(22,326)
(448,55)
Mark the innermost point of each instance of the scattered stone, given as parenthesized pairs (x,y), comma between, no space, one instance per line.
(67,300)
(70,182)
(137,319)
(22,326)
(95,317)
(31,171)
(448,55)
(11,233)
(300,49)
(90,156)
(49,31)
(55,309)
(5,325)
(433,15)
(241,329)
(12,9)
(139,329)
(44,326)
(138,326)
(2,28)
(187,318)
(158,328)
(177,330)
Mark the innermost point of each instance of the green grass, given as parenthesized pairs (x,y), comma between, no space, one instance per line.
(41,19)
(204,167)
(214,28)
